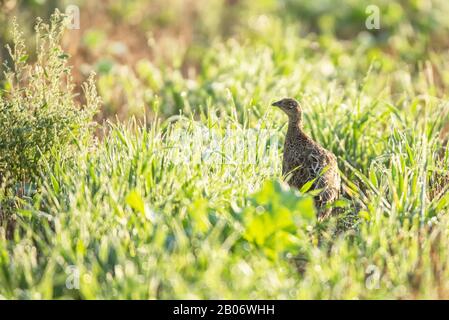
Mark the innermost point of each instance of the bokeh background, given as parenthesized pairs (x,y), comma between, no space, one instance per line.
(142,50)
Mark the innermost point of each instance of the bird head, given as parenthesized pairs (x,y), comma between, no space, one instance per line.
(290,106)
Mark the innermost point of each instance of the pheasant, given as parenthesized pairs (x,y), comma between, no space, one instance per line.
(305,160)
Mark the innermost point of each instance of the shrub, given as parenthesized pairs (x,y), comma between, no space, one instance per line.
(39,116)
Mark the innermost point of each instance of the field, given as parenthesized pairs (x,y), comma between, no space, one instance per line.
(159,176)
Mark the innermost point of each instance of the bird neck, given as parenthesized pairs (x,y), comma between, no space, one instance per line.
(295,128)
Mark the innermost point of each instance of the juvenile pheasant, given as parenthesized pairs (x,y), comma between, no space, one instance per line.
(305,160)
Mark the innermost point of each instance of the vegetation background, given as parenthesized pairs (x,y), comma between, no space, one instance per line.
(96,203)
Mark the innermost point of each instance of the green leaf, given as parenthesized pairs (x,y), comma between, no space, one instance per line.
(23,58)
(135,201)
(306,187)
(365,215)
(54,183)
(199,214)
(277,219)
(63,56)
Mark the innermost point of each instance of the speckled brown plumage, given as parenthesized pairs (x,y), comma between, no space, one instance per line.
(305,160)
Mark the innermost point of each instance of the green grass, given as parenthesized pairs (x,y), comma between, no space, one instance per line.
(152,212)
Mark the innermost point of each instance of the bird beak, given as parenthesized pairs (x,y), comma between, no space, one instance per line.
(276,104)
